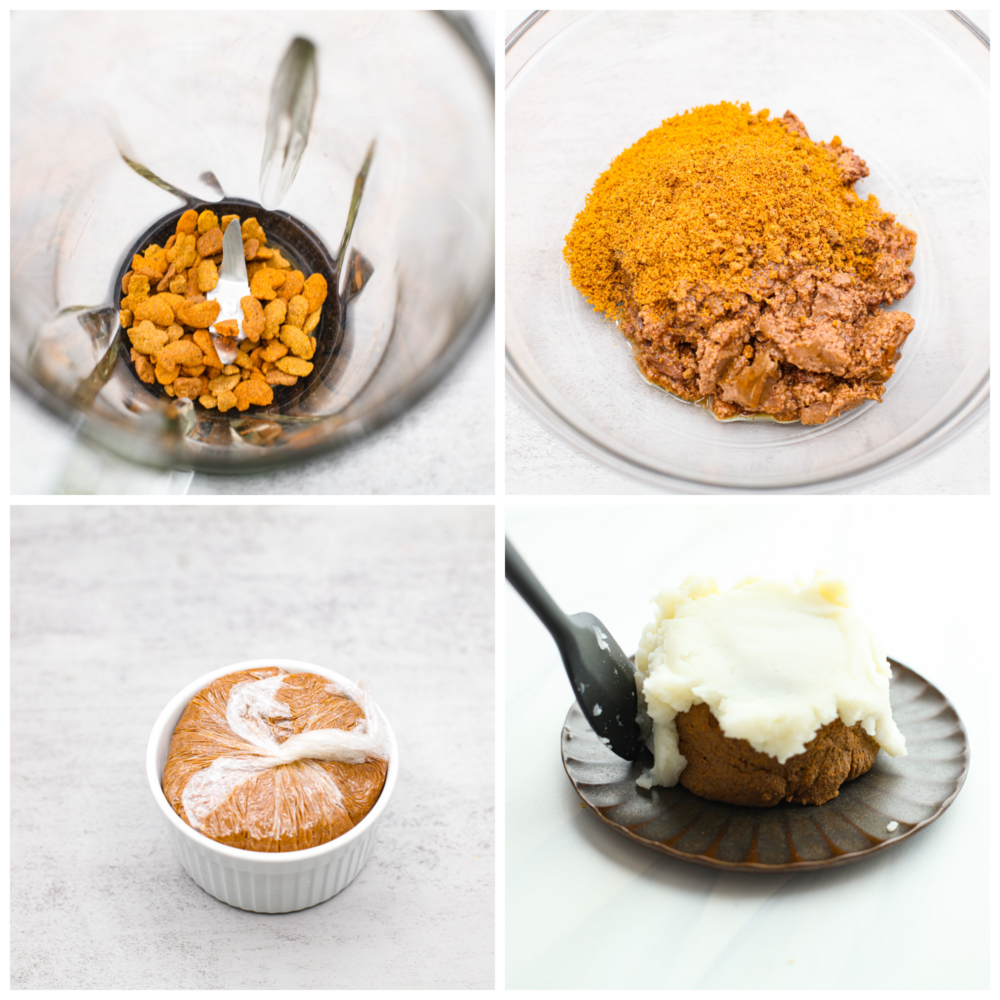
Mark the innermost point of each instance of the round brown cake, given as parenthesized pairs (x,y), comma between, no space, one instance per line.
(730,770)
(288,807)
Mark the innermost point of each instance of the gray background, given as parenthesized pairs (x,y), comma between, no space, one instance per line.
(115,609)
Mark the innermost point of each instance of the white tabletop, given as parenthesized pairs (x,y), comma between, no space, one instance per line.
(587,908)
(115,609)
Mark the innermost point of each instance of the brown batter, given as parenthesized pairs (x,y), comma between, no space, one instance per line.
(281,808)
(805,344)
(728,770)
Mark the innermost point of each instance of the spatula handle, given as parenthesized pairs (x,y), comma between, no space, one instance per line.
(536,596)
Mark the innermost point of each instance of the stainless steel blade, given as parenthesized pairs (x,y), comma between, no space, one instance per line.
(234,265)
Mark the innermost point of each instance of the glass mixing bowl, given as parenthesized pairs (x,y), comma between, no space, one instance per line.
(909,92)
(362,141)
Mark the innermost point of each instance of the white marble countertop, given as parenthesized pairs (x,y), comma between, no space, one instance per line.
(115,609)
(587,908)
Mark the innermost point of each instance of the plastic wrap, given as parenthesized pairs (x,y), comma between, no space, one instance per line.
(270,761)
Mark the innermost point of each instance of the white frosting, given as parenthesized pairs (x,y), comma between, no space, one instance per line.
(773,662)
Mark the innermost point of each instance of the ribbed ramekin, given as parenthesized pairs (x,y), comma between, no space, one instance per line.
(256,880)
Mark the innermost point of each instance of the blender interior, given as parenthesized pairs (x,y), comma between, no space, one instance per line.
(307,253)
(406,248)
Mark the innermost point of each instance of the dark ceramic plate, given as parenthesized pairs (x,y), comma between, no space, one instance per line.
(910,791)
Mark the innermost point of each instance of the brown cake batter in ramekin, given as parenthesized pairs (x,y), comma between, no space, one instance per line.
(288,807)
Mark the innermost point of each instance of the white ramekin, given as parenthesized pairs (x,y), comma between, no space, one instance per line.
(257,880)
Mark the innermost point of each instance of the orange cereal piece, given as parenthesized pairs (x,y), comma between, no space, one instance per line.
(138,288)
(174,332)
(164,282)
(192,371)
(298,310)
(226,400)
(207,220)
(278,261)
(147,338)
(153,262)
(252,230)
(178,285)
(224,383)
(231,370)
(199,315)
(312,320)
(188,222)
(155,309)
(172,239)
(208,401)
(293,284)
(274,351)
(253,392)
(243,359)
(125,281)
(296,341)
(204,340)
(274,316)
(315,291)
(183,252)
(169,389)
(227,328)
(125,318)
(295,366)
(210,243)
(277,377)
(143,368)
(165,374)
(180,352)
(190,387)
(226,219)
(208,276)
(174,301)
(250,248)
(264,282)
(192,277)
(253,318)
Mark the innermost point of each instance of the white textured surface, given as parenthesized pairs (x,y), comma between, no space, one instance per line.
(586,908)
(115,609)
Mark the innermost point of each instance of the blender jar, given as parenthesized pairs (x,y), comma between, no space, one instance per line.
(363,142)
